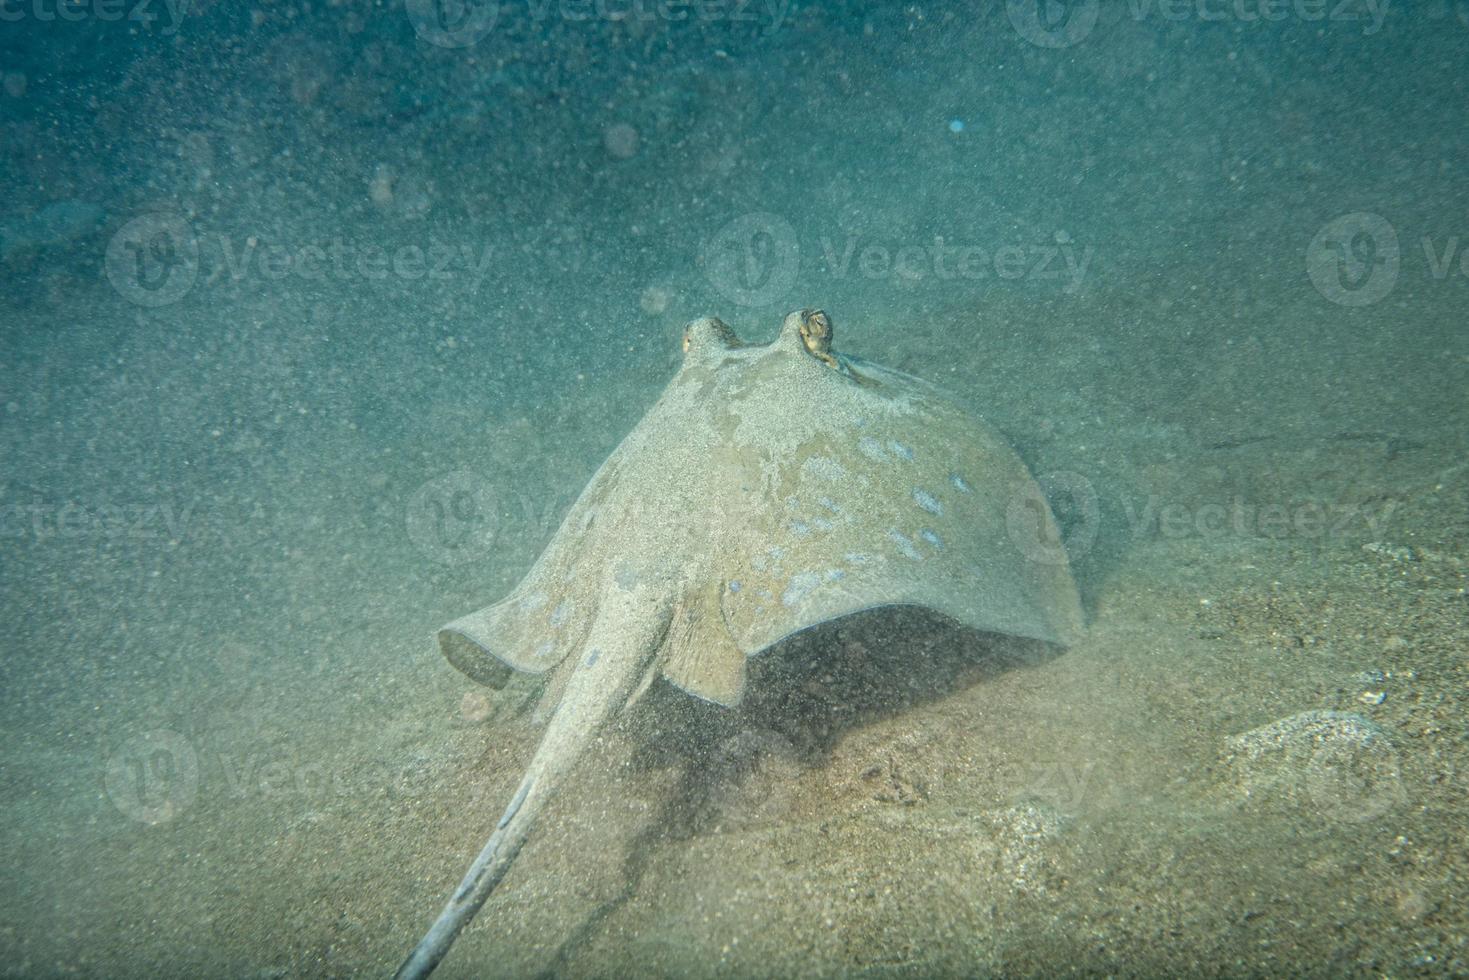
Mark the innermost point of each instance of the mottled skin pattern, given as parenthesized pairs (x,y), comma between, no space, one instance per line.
(769,489)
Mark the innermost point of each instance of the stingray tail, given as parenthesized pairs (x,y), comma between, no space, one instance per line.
(628,629)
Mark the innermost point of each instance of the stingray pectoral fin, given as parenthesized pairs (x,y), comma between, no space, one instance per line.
(531,631)
(473,658)
(630,627)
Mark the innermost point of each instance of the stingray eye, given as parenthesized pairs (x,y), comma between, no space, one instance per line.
(816,331)
(819,323)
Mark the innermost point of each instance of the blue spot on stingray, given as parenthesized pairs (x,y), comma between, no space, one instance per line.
(544,650)
(931,538)
(872,449)
(799,587)
(800,527)
(822,524)
(901,450)
(905,545)
(958,482)
(835,574)
(592,657)
(927,501)
(561,613)
(856,558)
(830,505)
(734,585)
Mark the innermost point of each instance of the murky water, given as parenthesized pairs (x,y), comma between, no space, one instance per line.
(315,319)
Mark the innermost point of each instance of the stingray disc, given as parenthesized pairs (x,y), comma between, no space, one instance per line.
(775,487)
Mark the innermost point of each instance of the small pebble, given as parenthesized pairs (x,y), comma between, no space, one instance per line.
(1372,697)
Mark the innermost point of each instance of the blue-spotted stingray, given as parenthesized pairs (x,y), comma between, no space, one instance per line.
(770,488)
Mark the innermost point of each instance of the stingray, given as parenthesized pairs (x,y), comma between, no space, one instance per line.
(769,489)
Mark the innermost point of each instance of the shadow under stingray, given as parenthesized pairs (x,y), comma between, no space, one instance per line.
(802,695)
